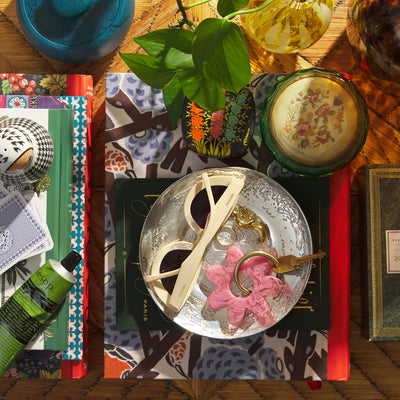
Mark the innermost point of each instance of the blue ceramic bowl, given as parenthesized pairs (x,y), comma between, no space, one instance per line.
(75,30)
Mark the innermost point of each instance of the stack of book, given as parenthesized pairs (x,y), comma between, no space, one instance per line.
(142,149)
(63,105)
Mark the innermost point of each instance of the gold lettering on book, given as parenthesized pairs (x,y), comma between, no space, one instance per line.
(303,303)
(140,207)
(145,310)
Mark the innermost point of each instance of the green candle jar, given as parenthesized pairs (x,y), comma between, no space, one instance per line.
(288,26)
(314,121)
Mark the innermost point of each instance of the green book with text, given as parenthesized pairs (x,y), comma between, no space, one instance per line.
(59,212)
(135,308)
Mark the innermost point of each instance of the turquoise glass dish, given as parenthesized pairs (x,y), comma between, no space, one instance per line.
(314,121)
(75,30)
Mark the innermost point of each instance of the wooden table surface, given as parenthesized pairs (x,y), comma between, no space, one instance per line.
(375,367)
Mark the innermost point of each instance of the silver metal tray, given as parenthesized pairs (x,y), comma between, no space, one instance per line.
(289,234)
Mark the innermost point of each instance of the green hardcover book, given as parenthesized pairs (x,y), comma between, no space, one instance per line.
(380,186)
(312,310)
(135,308)
(59,213)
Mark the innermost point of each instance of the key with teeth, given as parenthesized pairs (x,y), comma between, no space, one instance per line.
(288,263)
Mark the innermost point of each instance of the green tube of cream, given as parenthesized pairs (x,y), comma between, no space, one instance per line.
(31,306)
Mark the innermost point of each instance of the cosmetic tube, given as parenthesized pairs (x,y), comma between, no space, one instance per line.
(26,312)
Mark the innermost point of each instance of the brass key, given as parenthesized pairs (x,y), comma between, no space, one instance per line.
(288,263)
(281,265)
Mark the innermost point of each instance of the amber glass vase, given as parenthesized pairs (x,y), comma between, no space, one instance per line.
(288,26)
(373,30)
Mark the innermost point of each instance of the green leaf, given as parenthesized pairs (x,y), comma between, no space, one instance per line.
(226,7)
(220,52)
(6,87)
(171,46)
(203,92)
(149,69)
(173,99)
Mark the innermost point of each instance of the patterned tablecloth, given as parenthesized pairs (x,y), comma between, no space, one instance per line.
(140,143)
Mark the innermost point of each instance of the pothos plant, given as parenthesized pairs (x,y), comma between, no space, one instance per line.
(198,62)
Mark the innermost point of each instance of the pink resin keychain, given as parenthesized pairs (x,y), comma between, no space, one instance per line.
(259,270)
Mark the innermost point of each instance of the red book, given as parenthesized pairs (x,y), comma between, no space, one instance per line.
(339,216)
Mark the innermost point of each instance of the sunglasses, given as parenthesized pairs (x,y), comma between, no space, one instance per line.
(176,267)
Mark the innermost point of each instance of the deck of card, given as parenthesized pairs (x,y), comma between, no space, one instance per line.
(23,234)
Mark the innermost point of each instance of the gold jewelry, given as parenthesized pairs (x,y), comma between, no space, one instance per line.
(229,231)
(245,218)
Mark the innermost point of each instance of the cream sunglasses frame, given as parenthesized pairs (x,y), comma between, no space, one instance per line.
(189,271)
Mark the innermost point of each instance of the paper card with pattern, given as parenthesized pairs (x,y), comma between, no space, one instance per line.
(21,231)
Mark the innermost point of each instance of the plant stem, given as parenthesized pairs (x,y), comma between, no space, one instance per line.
(196,4)
(185,19)
(252,10)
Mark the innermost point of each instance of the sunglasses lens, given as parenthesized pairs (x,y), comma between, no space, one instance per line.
(171,261)
(200,207)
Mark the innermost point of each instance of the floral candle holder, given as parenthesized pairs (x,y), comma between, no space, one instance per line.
(223,133)
(315,121)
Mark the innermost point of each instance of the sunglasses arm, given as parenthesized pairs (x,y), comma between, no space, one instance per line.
(190,268)
(210,196)
(162,275)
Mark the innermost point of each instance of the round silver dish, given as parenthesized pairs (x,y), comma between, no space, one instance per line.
(289,234)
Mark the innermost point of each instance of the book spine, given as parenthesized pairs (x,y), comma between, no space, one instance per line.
(66,131)
(52,213)
(61,122)
(72,369)
(339,221)
(82,85)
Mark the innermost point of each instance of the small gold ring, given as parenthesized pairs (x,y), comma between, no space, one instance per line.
(244,258)
(233,234)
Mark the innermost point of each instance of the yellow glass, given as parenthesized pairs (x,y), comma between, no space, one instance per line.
(288,26)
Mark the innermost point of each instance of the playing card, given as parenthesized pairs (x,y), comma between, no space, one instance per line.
(36,207)
(21,231)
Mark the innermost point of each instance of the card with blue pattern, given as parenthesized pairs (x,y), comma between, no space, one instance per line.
(21,231)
